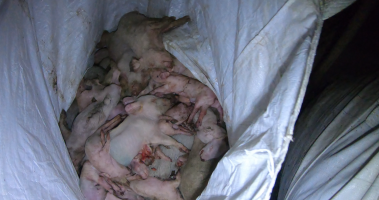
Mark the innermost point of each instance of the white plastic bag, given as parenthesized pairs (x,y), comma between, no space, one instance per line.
(255,55)
(335,153)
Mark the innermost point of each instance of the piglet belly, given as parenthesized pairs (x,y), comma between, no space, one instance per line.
(125,147)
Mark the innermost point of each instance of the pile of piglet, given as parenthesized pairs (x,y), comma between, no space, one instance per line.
(137,113)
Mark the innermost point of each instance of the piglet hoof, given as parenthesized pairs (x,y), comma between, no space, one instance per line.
(173,175)
(198,123)
(184,149)
(201,152)
(179,163)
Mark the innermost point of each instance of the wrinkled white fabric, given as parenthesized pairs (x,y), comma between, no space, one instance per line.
(335,153)
(255,55)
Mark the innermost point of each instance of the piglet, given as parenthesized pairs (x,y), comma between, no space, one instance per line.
(195,172)
(112,77)
(110,196)
(115,175)
(154,188)
(136,79)
(97,150)
(88,121)
(141,128)
(87,91)
(214,149)
(95,72)
(181,160)
(92,90)
(209,132)
(191,90)
(144,36)
(179,112)
(213,135)
(92,184)
(118,110)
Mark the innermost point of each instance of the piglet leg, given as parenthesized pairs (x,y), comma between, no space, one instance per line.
(172,129)
(184,100)
(139,168)
(169,141)
(202,113)
(176,182)
(101,181)
(194,111)
(134,177)
(160,155)
(181,130)
(111,123)
(164,89)
(113,186)
(181,160)
(176,23)
(218,106)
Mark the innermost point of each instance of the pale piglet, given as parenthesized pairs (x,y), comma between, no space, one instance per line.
(92,184)
(116,175)
(135,80)
(195,172)
(141,128)
(213,135)
(209,132)
(87,91)
(144,36)
(88,121)
(190,90)
(90,91)
(112,77)
(95,72)
(154,188)
(118,110)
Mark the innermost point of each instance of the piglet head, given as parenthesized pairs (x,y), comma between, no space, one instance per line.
(88,84)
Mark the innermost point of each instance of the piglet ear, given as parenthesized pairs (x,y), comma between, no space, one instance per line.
(134,65)
(164,75)
(128,100)
(133,108)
